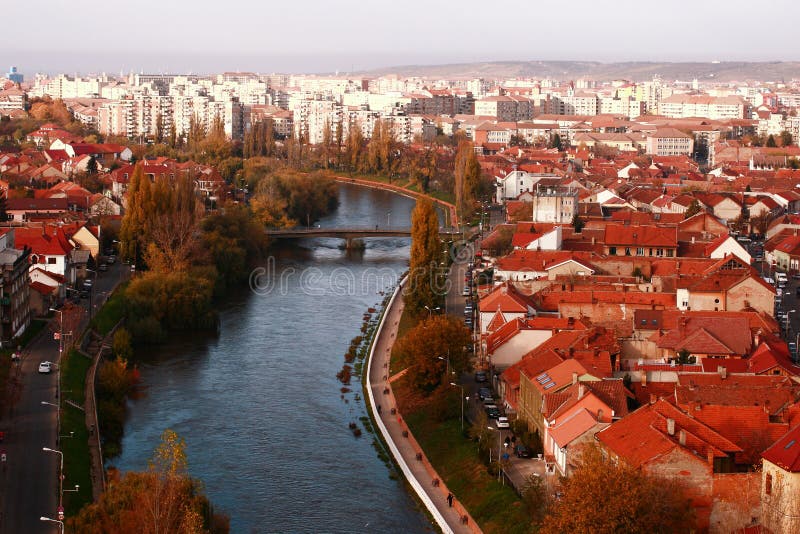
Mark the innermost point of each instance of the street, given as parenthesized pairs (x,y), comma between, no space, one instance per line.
(29,484)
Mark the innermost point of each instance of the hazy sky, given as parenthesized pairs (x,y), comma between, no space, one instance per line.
(344,35)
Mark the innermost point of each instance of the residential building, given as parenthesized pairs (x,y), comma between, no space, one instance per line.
(669,142)
(554,204)
(780,484)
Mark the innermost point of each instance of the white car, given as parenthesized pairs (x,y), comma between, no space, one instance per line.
(502,422)
(45,367)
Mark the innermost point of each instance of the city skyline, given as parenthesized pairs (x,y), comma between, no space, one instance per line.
(313,37)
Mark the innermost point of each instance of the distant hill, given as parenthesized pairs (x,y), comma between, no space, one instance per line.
(635,71)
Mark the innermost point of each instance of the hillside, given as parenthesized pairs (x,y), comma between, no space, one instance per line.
(635,71)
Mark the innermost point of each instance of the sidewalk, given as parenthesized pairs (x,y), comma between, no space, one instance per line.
(407,452)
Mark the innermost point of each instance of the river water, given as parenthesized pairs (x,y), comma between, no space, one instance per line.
(259,405)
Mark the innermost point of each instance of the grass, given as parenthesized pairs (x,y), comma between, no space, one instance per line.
(110,314)
(77,461)
(495,507)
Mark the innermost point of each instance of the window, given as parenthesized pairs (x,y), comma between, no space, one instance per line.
(51,261)
(627,251)
(768,484)
(640,251)
(612,251)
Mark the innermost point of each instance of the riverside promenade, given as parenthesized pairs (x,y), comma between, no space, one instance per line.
(420,474)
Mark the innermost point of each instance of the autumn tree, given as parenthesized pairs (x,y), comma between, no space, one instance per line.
(467,177)
(422,288)
(135,219)
(160,500)
(354,146)
(604,498)
(430,347)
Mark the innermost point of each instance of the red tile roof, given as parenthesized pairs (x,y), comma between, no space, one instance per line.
(645,236)
(572,427)
(785,453)
(506,299)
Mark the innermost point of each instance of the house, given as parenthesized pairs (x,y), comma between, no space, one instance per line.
(505,345)
(662,440)
(780,484)
(506,300)
(728,285)
(50,249)
(14,295)
(573,416)
(701,337)
(786,254)
(724,245)
(21,210)
(651,241)
(516,182)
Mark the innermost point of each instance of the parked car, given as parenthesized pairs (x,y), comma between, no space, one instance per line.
(502,422)
(522,451)
(488,400)
(45,367)
(111,260)
(492,411)
(103,267)
(484,392)
(480,376)
(466,292)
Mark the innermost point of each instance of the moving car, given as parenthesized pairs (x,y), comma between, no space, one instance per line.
(502,422)
(45,367)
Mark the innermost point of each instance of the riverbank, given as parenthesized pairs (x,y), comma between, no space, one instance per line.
(422,477)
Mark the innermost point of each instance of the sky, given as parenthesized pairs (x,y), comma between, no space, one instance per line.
(323,36)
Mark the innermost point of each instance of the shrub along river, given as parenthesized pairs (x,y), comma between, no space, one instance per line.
(259,405)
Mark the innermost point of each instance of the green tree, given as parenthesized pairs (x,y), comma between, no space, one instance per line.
(423,276)
(786,138)
(693,209)
(91,166)
(121,344)
(771,141)
(555,141)
(578,223)
(467,178)
(430,347)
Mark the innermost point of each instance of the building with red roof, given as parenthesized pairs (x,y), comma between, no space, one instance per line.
(780,487)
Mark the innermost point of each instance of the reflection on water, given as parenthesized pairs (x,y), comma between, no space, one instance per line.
(259,405)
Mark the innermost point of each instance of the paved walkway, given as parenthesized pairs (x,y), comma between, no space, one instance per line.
(428,485)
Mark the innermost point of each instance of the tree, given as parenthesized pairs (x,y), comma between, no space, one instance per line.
(162,499)
(91,166)
(467,174)
(423,280)
(432,345)
(555,142)
(578,223)
(771,141)
(693,209)
(603,498)
(786,138)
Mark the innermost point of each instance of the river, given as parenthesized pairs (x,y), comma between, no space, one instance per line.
(259,405)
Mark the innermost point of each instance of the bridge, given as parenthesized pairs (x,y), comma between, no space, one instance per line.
(348,234)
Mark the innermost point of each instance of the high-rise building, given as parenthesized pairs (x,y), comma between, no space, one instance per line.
(14,76)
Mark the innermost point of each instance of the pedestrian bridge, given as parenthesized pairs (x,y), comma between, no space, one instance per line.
(348,234)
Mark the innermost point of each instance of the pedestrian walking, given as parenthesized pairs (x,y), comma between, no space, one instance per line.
(450,500)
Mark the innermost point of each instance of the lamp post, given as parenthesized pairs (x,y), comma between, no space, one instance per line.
(499,449)
(91,292)
(388,215)
(462,403)
(60,477)
(787,320)
(446,359)
(431,310)
(58,368)
(60,523)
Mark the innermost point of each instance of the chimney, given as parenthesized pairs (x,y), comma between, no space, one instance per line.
(723,372)
(581,391)
(682,437)
(671,427)
(574,378)
(600,415)
(594,240)
(710,457)
(653,398)
(644,379)
(692,240)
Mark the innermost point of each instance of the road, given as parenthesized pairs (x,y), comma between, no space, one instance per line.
(29,484)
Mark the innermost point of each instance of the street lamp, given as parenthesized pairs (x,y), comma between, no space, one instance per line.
(60,523)
(462,403)
(60,477)
(431,310)
(446,359)
(787,320)
(91,292)
(388,215)
(58,367)
(499,449)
